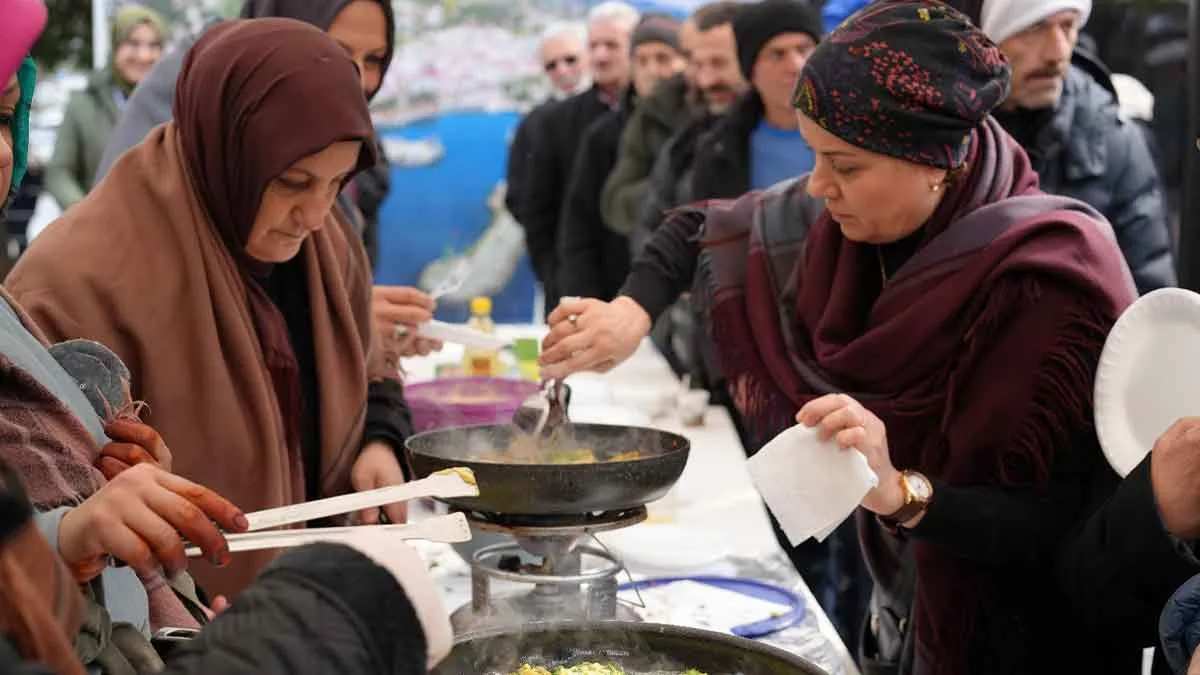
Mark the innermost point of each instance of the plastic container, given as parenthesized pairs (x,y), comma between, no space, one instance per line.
(526,351)
(462,401)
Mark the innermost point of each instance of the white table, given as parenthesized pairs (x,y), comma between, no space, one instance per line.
(714,492)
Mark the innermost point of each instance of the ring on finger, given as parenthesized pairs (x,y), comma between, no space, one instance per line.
(401,332)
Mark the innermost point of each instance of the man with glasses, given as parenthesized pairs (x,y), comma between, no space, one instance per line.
(564,58)
(563,53)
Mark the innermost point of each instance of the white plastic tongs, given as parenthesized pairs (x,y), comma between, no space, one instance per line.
(455,482)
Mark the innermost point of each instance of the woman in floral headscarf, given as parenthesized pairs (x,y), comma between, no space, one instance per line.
(915,297)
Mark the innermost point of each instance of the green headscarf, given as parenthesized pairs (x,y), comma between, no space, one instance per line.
(129,17)
(26,79)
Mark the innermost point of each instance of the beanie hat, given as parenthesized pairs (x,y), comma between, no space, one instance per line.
(656,28)
(759,23)
(1002,19)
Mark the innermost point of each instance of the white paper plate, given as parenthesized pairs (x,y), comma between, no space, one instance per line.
(668,549)
(1149,375)
(460,334)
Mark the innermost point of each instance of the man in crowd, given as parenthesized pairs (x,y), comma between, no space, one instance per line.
(594,260)
(559,132)
(709,85)
(1063,110)
(563,54)
(756,143)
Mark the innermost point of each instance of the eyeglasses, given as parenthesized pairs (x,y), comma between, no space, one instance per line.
(553,64)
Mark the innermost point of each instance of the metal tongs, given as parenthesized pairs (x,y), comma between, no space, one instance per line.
(545,413)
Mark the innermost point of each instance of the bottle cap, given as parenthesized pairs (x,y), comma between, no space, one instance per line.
(481,305)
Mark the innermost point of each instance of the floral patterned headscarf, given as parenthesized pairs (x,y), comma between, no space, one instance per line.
(909,79)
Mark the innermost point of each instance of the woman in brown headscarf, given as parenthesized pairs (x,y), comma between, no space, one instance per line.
(210,261)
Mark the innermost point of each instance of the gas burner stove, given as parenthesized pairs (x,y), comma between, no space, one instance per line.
(550,526)
(570,581)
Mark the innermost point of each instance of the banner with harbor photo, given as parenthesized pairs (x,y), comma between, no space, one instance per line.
(464,73)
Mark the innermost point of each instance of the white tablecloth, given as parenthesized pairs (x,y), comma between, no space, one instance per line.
(714,493)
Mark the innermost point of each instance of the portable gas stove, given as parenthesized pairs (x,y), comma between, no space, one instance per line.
(571,581)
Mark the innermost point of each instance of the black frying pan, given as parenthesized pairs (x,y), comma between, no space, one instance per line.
(556,489)
(639,648)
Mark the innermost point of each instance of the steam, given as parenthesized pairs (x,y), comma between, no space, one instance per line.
(482,444)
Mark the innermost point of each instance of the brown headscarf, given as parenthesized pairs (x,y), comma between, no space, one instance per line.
(212,133)
(152,265)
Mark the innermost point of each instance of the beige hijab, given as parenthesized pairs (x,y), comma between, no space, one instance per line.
(138,267)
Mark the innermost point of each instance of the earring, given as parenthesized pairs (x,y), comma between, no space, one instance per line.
(936,187)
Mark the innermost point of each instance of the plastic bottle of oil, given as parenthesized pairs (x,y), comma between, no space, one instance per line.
(481,362)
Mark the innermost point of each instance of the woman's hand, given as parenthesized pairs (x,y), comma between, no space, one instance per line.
(139,517)
(377,467)
(398,311)
(131,443)
(850,425)
(588,334)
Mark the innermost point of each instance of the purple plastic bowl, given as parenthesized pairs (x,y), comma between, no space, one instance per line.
(462,401)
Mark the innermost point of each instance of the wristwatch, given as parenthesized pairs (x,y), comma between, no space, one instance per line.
(918,492)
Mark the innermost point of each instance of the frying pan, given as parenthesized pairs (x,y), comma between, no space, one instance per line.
(637,647)
(555,489)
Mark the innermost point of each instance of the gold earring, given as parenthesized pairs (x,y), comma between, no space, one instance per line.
(936,187)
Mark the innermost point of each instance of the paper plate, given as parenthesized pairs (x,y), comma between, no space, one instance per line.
(1149,375)
(652,548)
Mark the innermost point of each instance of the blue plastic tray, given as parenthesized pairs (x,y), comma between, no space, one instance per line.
(749,587)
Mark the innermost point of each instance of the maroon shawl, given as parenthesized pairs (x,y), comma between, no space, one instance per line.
(970,395)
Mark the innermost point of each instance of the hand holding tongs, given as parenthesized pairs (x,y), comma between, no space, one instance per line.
(456,482)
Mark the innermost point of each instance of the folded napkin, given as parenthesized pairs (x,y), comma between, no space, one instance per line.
(810,485)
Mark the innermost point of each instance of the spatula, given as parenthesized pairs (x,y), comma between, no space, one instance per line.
(455,482)
(448,529)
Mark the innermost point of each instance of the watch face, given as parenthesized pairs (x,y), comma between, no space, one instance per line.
(918,487)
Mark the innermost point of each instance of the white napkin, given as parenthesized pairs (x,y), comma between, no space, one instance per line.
(810,485)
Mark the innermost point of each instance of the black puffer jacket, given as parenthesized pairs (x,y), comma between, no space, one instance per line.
(1085,149)
(593,260)
(322,608)
(722,166)
(520,155)
(559,132)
